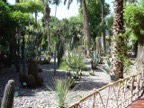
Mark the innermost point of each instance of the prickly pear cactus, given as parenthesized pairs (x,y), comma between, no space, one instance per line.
(7,101)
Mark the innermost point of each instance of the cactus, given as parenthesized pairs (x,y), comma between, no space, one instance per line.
(8,97)
(39,80)
(31,81)
(33,68)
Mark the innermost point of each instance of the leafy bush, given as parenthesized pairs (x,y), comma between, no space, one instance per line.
(63,65)
(75,61)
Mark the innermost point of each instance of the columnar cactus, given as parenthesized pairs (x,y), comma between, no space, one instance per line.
(7,101)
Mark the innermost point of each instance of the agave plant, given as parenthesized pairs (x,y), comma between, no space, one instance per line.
(75,62)
(106,68)
(95,60)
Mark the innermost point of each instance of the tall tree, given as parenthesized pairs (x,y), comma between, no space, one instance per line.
(47,20)
(56,2)
(117,43)
(103,24)
(134,18)
(86,29)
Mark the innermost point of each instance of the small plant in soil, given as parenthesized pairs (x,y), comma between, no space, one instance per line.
(94,61)
(61,88)
(75,62)
(91,73)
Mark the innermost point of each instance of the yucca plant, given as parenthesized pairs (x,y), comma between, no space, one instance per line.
(61,88)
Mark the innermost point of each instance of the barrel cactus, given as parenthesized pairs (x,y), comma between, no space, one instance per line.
(31,81)
(33,68)
(39,80)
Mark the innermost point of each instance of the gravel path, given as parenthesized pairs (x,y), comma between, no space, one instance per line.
(42,97)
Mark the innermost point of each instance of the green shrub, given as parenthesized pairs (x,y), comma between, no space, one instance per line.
(75,61)
(61,88)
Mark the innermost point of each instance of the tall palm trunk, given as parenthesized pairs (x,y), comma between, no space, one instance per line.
(116,63)
(55,10)
(103,24)
(47,15)
(18,33)
(86,27)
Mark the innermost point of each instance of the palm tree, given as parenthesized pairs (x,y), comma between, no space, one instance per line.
(47,20)
(131,1)
(103,24)
(86,30)
(116,63)
(56,2)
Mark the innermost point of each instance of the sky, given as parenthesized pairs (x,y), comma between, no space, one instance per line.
(63,12)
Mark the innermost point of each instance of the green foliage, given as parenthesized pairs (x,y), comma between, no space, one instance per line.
(28,6)
(94,57)
(7,101)
(63,65)
(94,15)
(20,18)
(127,64)
(106,68)
(134,18)
(109,21)
(61,87)
(75,60)
(7,27)
(4,12)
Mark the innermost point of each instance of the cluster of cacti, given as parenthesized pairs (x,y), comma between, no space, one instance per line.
(33,68)
(33,79)
(7,101)
(39,80)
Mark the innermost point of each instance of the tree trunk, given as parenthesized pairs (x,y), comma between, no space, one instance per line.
(36,17)
(47,15)
(86,31)
(117,41)
(23,54)
(103,24)
(135,48)
(55,10)
(17,1)
(140,57)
